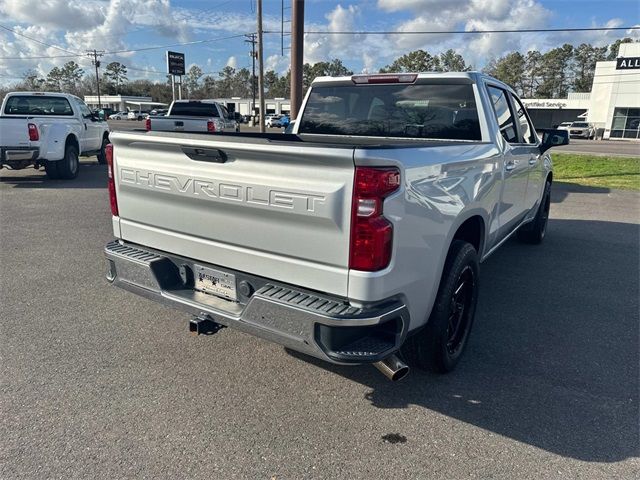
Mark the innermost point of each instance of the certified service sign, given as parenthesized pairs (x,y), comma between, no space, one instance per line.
(628,63)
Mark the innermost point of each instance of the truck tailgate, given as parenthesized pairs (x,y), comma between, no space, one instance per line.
(14,132)
(178,124)
(272,209)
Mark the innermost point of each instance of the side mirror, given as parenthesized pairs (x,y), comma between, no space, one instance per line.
(553,138)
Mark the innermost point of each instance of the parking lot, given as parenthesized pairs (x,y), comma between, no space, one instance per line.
(97,382)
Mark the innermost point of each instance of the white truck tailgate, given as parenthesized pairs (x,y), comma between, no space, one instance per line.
(272,209)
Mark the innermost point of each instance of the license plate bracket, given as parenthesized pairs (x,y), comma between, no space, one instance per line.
(215,282)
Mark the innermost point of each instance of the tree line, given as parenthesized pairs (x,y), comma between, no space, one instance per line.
(533,74)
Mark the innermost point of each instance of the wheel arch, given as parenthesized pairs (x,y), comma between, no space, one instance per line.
(472,229)
(72,140)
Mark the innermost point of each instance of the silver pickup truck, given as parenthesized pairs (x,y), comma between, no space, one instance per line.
(194,116)
(355,239)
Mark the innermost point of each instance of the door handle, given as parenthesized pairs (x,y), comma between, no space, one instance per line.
(533,161)
(509,166)
(205,154)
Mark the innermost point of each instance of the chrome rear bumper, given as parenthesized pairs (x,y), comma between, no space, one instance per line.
(316,324)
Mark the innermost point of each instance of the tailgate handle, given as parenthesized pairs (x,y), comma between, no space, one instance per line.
(205,154)
(179,124)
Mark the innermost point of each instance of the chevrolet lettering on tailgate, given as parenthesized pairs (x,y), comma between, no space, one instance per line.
(254,194)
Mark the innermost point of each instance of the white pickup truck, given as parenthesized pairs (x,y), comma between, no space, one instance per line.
(194,116)
(50,130)
(354,238)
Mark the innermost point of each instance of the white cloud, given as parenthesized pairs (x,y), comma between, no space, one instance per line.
(66,14)
(76,25)
(232,62)
(320,47)
(277,63)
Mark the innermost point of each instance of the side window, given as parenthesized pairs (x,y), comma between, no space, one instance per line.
(528,134)
(503,114)
(225,113)
(84,110)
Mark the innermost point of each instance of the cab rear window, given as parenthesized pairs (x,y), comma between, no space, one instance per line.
(37,105)
(194,109)
(442,111)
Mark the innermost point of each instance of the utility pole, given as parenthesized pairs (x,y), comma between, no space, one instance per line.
(297,49)
(96,54)
(252,41)
(260,68)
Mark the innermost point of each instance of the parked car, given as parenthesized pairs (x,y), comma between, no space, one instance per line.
(359,238)
(158,112)
(194,116)
(118,116)
(564,126)
(272,121)
(50,130)
(582,130)
(138,115)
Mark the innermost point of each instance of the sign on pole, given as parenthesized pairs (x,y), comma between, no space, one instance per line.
(175,63)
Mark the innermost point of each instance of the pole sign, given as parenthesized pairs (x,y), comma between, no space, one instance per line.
(175,63)
(628,63)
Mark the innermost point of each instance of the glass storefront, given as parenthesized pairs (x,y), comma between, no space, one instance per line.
(626,123)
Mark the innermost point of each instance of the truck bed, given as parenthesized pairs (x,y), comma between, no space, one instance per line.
(327,141)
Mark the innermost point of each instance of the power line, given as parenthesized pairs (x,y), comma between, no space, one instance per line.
(37,41)
(131,50)
(458,32)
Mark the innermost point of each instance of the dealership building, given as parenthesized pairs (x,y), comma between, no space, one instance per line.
(278,106)
(613,103)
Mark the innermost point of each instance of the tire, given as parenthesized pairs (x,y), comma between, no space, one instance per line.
(439,346)
(52,170)
(69,166)
(535,230)
(102,155)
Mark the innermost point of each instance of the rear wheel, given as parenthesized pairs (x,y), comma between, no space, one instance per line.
(439,346)
(52,169)
(534,231)
(69,166)
(102,155)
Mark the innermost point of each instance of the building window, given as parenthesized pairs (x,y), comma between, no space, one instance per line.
(626,123)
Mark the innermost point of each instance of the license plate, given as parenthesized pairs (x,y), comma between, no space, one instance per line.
(215,282)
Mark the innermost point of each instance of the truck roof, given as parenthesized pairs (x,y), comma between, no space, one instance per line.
(472,77)
(48,94)
(203,100)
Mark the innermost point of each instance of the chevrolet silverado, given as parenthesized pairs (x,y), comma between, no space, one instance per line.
(195,116)
(355,239)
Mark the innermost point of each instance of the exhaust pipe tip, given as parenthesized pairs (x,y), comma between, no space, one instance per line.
(393,368)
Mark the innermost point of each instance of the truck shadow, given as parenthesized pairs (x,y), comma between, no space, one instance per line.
(554,358)
(561,190)
(91,175)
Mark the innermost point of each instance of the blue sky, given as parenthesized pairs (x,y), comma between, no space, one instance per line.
(119,25)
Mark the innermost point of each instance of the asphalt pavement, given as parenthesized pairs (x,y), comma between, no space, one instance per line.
(96,382)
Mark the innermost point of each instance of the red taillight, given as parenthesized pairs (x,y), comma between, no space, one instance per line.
(34,136)
(147,124)
(211,127)
(371,233)
(111,181)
